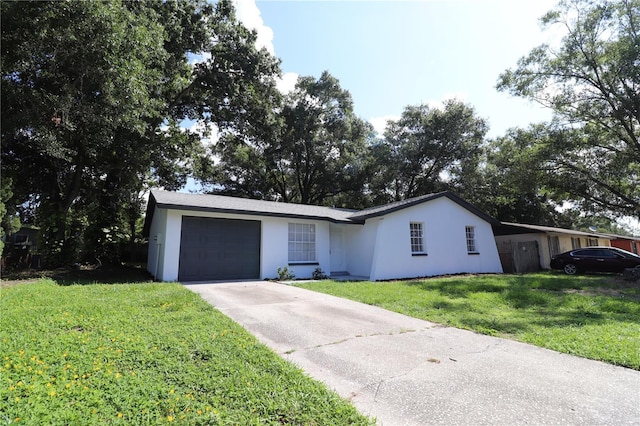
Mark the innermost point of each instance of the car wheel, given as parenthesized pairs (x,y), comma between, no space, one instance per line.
(570,269)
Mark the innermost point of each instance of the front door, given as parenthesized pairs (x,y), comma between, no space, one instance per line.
(337,251)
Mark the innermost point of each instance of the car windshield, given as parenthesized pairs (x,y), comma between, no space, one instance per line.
(627,253)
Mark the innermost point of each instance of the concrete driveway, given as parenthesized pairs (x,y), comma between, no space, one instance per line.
(405,371)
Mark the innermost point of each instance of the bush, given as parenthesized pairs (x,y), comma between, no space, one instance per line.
(318,274)
(285,274)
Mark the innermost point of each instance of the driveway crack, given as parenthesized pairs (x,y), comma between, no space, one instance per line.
(357,336)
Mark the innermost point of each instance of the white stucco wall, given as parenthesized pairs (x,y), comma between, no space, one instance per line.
(444,225)
(273,251)
(275,247)
(379,249)
(359,242)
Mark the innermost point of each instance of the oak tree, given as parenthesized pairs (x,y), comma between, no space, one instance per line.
(591,80)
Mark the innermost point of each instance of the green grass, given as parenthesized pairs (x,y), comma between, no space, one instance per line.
(144,354)
(594,317)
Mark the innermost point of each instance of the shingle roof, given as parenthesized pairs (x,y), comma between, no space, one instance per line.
(621,237)
(220,203)
(548,229)
(225,204)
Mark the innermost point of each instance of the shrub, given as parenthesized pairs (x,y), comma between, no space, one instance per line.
(318,274)
(285,274)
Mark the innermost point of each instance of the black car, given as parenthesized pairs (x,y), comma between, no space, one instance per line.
(595,259)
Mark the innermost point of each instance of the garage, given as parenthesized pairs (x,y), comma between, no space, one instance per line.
(219,249)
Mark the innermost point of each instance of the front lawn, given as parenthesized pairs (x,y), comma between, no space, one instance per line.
(595,317)
(144,354)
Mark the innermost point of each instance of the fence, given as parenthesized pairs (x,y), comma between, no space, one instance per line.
(519,257)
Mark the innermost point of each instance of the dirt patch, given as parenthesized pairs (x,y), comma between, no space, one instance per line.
(11,283)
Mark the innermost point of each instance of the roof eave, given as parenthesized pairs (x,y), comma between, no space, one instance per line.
(470,207)
(256,213)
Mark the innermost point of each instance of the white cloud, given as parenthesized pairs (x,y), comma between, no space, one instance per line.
(631,224)
(209,133)
(249,14)
(288,82)
(380,123)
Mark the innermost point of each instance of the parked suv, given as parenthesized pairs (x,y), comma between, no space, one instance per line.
(595,259)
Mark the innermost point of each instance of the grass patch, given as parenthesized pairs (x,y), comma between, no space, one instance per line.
(145,354)
(596,317)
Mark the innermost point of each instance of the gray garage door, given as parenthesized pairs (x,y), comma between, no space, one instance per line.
(219,249)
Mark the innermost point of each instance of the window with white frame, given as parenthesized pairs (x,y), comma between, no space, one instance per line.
(302,242)
(417,238)
(470,232)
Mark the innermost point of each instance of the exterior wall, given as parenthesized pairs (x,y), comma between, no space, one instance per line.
(155,258)
(275,248)
(628,245)
(540,239)
(380,249)
(445,243)
(164,254)
(360,243)
(169,271)
(543,243)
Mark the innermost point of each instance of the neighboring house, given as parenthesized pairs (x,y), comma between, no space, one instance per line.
(21,249)
(197,237)
(631,244)
(540,243)
(27,236)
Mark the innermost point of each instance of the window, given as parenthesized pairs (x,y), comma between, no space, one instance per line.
(554,245)
(470,231)
(575,243)
(417,239)
(302,242)
(592,242)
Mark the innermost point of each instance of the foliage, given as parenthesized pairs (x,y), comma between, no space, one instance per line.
(428,150)
(515,179)
(144,354)
(591,81)
(309,149)
(285,274)
(92,97)
(588,316)
(10,223)
(318,274)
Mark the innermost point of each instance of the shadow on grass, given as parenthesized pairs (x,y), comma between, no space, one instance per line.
(107,274)
(103,275)
(523,302)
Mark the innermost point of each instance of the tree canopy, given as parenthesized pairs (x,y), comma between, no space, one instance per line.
(428,149)
(92,94)
(592,83)
(310,149)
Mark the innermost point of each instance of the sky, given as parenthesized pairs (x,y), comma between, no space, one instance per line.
(392,54)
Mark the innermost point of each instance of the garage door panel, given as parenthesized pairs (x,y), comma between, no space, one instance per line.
(219,249)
